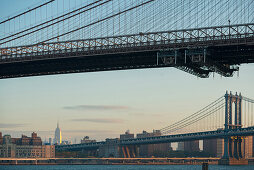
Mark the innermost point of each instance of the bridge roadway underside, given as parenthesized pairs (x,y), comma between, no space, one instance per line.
(217,56)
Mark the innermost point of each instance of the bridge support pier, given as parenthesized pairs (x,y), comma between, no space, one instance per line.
(131,151)
(232,146)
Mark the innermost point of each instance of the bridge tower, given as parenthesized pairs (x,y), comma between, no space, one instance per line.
(233,120)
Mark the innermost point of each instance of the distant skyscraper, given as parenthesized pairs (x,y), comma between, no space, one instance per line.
(50,141)
(210,147)
(191,146)
(58,135)
(153,149)
(180,146)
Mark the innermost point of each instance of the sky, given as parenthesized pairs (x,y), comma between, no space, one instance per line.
(105,104)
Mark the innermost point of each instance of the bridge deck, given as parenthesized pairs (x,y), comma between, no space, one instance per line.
(199,37)
(166,139)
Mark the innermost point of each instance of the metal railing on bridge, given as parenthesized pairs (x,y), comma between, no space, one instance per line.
(186,38)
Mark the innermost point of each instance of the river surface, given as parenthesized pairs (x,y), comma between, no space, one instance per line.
(120,167)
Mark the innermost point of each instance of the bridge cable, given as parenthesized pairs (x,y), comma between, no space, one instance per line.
(52,21)
(248,99)
(196,113)
(106,18)
(196,120)
(9,19)
(189,119)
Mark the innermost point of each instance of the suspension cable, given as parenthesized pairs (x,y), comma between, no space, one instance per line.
(9,19)
(101,20)
(195,114)
(196,120)
(51,21)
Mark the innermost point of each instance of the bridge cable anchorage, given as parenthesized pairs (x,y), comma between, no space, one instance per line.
(30,10)
(51,24)
(195,114)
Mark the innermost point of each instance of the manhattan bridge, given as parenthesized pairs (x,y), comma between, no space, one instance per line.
(230,117)
(196,36)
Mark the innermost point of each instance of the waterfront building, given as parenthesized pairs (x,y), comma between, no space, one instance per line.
(210,147)
(247,147)
(25,147)
(191,146)
(180,146)
(50,141)
(126,135)
(7,148)
(252,146)
(1,138)
(153,149)
(220,148)
(87,140)
(58,135)
(110,148)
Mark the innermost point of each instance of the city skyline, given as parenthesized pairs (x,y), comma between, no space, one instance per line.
(101,111)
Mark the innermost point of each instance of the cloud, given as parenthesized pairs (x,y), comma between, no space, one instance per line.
(96,107)
(137,114)
(89,131)
(99,120)
(157,115)
(146,114)
(8,125)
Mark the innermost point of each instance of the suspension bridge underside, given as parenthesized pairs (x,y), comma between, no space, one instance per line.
(196,51)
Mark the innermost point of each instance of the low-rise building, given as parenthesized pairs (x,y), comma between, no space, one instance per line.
(25,147)
(246,147)
(153,149)
(110,148)
(210,147)
(87,140)
(126,135)
(191,146)
(180,146)
(1,138)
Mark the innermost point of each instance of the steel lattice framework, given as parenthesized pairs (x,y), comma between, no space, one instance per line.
(210,36)
(218,45)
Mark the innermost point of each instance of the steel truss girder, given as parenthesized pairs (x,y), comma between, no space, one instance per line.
(221,69)
(196,61)
(197,37)
(194,71)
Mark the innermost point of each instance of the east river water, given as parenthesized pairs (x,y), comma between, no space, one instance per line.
(122,167)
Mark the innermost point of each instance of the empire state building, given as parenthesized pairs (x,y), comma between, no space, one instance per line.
(58,135)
